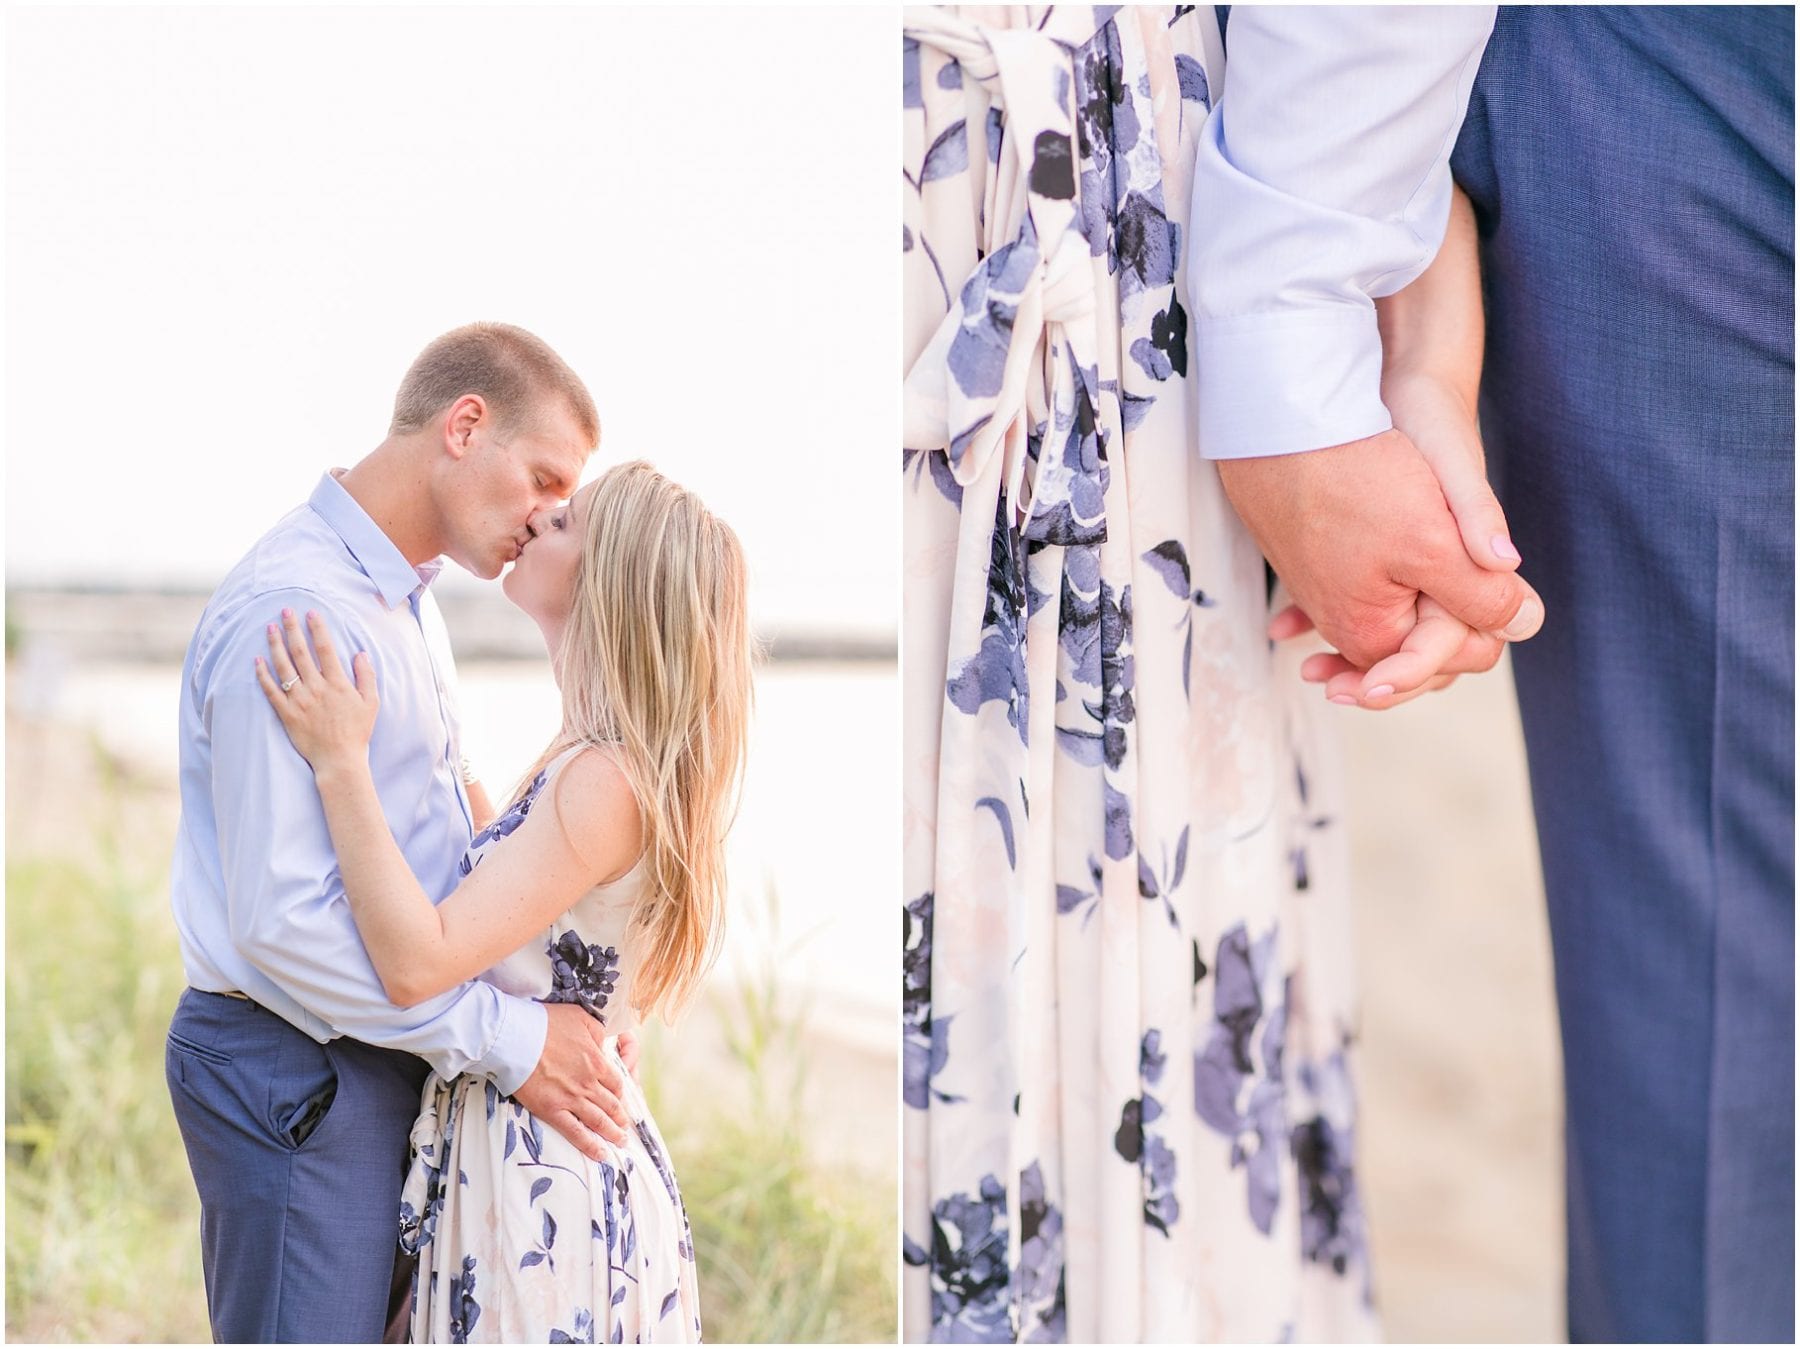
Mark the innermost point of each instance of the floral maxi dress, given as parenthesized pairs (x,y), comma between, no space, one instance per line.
(520,1237)
(1128,999)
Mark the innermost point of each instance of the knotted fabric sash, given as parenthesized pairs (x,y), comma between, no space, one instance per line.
(1012,368)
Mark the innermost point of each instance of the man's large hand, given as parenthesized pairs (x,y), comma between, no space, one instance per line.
(1358,531)
(575,1088)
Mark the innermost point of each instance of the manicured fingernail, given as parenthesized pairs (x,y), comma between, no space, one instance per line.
(287,613)
(271,629)
(1503,547)
(1379,691)
(1526,621)
(312,616)
(1343,700)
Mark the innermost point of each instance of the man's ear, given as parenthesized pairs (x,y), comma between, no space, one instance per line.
(466,415)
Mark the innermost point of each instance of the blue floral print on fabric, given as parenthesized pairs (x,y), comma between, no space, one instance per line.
(1110,806)
(582,973)
(1042,1277)
(1136,1141)
(521,1237)
(969,1267)
(503,824)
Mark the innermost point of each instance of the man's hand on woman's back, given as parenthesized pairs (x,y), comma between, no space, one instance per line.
(575,1088)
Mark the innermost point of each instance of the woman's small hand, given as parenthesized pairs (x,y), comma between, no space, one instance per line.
(329,718)
(1438,641)
(628,1053)
(1400,678)
(1441,425)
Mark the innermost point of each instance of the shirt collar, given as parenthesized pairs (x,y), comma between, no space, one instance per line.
(383,563)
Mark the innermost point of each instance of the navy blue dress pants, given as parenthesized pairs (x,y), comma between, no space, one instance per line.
(1632,171)
(298,1150)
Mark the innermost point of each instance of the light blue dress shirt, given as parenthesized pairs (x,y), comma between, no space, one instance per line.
(1322,182)
(258,899)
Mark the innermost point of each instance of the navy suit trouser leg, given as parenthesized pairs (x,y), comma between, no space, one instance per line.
(298,1150)
(1632,172)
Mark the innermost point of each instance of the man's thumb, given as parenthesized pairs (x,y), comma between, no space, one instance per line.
(1506,606)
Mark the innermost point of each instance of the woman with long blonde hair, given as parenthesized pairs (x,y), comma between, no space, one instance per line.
(601,884)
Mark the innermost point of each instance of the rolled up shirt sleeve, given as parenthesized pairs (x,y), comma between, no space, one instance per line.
(1322,182)
(284,897)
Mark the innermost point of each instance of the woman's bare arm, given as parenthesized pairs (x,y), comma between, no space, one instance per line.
(1432,337)
(1435,328)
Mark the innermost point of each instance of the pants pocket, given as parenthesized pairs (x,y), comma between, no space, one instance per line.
(182,1045)
(303,1091)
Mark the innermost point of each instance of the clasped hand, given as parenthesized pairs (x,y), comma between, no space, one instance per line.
(1394,548)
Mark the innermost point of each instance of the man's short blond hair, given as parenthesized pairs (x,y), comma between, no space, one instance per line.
(514,371)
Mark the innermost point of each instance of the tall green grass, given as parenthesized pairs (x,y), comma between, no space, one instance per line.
(789,1252)
(102,1230)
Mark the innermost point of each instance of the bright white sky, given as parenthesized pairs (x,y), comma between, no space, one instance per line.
(228,231)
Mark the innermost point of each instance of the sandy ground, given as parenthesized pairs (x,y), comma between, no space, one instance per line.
(1460,1068)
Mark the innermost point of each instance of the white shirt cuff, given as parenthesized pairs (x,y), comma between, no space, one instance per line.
(1284,382)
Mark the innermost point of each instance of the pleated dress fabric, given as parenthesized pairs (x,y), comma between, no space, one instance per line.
(1129,1003)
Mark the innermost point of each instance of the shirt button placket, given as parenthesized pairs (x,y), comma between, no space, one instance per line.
(451,759)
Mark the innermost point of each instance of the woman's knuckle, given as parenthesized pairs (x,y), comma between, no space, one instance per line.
(1478,654)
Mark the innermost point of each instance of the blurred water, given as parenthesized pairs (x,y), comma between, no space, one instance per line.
(818,830)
